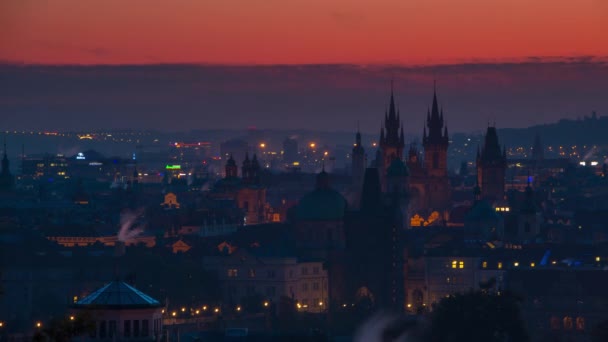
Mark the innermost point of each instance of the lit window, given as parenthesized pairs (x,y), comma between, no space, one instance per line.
(454,264)
(532,264)
(484,264)
(597,259)
(499,265)
(232,272)
(461,264)
(568,323)
(580,323)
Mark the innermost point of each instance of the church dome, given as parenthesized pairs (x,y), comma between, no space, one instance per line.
(397,169)
(322,204)
(482,211)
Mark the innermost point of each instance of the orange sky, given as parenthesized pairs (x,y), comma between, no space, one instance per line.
(298,31)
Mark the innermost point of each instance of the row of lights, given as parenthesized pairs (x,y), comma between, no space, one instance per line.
(205,308)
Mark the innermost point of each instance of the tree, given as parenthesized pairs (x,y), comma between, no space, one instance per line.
(65,330)
(477,316)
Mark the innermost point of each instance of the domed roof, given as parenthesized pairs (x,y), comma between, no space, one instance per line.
(482,211)
(322,204)
(397,169)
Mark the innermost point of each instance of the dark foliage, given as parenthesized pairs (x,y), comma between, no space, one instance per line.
(477,316)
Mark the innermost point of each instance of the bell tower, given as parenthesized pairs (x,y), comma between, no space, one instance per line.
(391,139)
(435,140)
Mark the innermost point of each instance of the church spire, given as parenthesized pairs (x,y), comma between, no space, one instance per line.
(434,120)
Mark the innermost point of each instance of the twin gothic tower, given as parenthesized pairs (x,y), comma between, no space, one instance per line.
(428,176)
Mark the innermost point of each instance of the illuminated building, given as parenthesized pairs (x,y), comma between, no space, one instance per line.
(121,312)
(270,273)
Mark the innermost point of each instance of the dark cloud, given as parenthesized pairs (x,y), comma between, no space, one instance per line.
(329,97)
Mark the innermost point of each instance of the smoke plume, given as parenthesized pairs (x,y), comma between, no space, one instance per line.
(128,225)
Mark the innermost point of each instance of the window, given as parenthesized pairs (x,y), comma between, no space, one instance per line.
(271,291)
(499,265)
(135,328)
(102,329)
(315,270)
(555,323)
(127,328)
(145,328)
(305,287)
(246,206)
(233,272)
(93,332)
(271,274)
(304,270)
(112,328)
(315,286)
(580,323)
(461,264)
(251,273)
(568,323)
(484,264)
(454,263)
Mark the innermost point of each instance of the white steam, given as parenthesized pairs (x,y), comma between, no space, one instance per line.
(128,230)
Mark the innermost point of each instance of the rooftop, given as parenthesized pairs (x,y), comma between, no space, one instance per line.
(117,295)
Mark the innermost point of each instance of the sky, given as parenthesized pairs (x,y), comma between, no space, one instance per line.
(320,64)
(298,31)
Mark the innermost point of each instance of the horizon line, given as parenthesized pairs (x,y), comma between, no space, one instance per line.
(592,59)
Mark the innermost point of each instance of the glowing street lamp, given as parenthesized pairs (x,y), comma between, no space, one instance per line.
(266,304)
(71,318)
(38,325)
(262,145)
(238,308)
(312,145)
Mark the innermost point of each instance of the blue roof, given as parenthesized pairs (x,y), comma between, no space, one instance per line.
(118,294)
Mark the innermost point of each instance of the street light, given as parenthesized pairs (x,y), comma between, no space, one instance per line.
(265,304)
(38,325)
(71,318)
